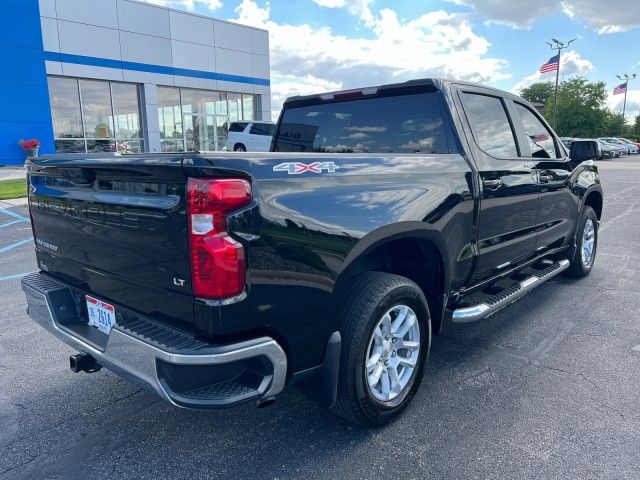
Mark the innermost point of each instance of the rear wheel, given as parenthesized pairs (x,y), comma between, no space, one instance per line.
(239,147)
(386,335)
(586,244)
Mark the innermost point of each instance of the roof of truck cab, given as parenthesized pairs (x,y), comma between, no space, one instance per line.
(437,83)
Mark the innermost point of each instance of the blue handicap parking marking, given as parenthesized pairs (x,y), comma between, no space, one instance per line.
(21,220)
(13,214)
(15,244)
(18,219)
(13,277)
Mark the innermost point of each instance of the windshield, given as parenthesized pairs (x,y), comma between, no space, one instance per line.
(411,123)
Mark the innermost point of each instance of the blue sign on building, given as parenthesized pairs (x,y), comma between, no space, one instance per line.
(24,98)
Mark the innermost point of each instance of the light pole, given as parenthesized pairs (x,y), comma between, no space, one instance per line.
(558,46)
(626,77)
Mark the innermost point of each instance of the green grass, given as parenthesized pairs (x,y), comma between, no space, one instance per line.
(13,189)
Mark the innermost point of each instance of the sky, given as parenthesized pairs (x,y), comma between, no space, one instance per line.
(325,45)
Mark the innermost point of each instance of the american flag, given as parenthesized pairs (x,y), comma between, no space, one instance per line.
(539,138)
(551,65)
(622,88)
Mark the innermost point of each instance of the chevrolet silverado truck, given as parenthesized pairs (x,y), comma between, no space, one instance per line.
(380,216)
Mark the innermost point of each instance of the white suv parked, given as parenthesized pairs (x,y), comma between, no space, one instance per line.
(250,136)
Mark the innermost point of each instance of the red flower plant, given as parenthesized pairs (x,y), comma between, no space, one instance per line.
(29,144)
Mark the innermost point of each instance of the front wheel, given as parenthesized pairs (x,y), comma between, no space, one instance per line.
(586,244)
(386,335)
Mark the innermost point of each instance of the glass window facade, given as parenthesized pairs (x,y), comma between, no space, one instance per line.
(198,120)
(170,116)
(126,117)
(103,116)
(95,116)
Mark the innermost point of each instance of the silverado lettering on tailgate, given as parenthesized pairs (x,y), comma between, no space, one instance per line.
(103,213)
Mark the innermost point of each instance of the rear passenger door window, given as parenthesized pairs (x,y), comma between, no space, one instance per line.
(490,125)
(541,142)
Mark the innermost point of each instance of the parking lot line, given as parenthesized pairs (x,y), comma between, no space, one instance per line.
(15,244)
(21,220)
(6,211)
(13,277)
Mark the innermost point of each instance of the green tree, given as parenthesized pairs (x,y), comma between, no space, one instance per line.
(613,125)
(635,130)
(582,110)
(538,92)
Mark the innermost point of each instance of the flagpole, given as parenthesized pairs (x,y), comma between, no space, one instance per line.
(555,98)
(559,46)
(624,103)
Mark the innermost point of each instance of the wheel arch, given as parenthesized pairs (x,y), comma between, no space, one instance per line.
(407,249)
(594,200)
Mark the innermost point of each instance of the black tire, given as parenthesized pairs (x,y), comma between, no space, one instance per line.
(370,296)
(578,268)
(239,147)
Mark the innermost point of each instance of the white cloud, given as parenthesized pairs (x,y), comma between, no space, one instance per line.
(187,4)
(312,58)
(361,8)
(509,12)
(612,17)
(633,104)
(571,64)
(284,86)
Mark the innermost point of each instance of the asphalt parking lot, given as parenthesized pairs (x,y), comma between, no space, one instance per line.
(547,388)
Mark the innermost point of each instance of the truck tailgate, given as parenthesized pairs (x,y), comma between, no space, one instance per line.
(117,228)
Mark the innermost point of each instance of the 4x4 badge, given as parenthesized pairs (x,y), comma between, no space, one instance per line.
(296,168)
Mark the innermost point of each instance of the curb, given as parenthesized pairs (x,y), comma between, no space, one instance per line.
(14,202)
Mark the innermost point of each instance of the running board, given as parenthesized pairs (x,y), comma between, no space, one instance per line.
(500,300)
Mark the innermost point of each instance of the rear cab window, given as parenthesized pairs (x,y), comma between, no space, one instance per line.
(387,122)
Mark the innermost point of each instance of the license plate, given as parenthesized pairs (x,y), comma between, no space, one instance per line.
(101,314)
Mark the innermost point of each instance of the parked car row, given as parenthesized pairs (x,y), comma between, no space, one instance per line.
(610,147)
(628,147)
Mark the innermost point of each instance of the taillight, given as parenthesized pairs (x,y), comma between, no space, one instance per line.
(217,260)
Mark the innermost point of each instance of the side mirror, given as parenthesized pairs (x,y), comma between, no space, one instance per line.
(583,150)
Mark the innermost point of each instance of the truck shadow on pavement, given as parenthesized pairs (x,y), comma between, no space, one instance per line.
(99,426)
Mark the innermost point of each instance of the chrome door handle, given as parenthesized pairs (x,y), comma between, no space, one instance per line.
(545,178)
(492,183)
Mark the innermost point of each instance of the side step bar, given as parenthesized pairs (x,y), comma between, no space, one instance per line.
(497,302)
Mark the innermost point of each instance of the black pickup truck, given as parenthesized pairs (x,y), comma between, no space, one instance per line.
(380,216)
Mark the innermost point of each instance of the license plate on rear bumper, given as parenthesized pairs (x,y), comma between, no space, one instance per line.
(101,314)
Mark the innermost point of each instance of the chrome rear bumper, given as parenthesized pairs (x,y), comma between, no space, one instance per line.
(196,374)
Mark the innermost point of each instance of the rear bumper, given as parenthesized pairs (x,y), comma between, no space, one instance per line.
(180,369)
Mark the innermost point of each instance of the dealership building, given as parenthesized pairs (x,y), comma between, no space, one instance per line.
(125,76)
